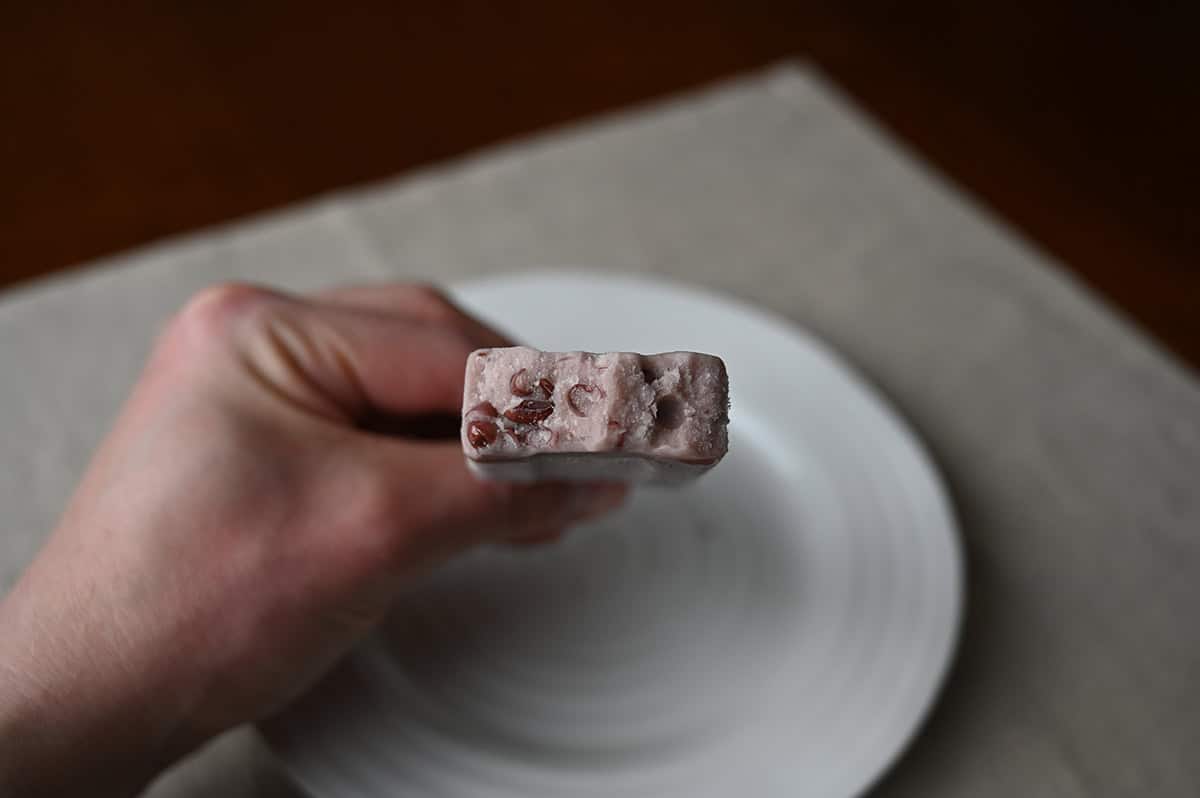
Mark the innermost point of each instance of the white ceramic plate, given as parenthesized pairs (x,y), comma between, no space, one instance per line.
(779,628)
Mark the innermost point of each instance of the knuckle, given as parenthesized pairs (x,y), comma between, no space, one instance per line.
(205,327)
(226,297)
(214,309)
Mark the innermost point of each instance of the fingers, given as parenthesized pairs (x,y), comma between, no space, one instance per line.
(502,510)
(452,509)
(360,363)
(353,353)
(414,302)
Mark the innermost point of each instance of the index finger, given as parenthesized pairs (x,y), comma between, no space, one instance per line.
(415,302)
(448,508)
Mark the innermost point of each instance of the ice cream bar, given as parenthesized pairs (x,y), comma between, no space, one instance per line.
(613,416)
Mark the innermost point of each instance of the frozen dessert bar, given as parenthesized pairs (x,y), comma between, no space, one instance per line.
(613,416)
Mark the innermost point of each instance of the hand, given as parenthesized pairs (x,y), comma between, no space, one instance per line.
(240,528)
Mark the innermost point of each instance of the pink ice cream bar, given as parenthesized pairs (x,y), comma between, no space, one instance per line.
(613,416)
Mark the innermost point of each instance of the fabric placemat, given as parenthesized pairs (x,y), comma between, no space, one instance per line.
(1071,444)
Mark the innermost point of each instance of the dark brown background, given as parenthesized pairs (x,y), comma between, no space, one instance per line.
(119,124)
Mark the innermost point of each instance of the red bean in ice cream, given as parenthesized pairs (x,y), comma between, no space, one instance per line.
(531,415)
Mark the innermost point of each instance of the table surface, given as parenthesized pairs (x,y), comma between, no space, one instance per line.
(1069,442)
(123,124)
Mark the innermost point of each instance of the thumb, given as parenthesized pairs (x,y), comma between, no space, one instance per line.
(448,508)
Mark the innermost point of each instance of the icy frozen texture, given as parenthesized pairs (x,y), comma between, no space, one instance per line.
(580,415)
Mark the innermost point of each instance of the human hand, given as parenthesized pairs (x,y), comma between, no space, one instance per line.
(239,529)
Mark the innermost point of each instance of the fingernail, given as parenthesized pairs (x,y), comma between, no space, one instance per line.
(593,500)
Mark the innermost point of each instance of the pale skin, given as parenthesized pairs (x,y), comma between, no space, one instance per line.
(240,529)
